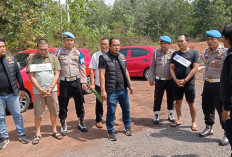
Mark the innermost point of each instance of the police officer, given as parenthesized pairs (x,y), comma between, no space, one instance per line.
(213,58)
(72,80)
(159,75)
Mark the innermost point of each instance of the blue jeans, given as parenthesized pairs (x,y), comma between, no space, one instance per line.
(13,105)
(112,99)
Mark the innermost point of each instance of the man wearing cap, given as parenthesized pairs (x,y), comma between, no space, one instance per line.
(226,84)
(72,81)
(159,75)
(183,67)
(213,59)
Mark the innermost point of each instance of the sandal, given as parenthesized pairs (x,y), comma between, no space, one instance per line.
(175,124)
(57,135)
(194,128)
(36,140)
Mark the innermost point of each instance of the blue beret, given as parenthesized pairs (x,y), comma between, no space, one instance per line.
(213,33)
(68,35)
(165,39)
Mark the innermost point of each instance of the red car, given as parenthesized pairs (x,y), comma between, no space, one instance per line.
(21,58)
(138,59)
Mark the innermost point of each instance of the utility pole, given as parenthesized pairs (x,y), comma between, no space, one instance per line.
(60,18)
(68,15)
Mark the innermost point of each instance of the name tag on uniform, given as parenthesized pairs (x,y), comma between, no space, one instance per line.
(40,67)
(182,60)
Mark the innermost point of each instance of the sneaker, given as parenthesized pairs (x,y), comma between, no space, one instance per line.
(129,131)
(63,127)
(23,139)
(208,131)
(111,136)
(156,118)
(82,126)
(171,118)
(224,141)
(3,142)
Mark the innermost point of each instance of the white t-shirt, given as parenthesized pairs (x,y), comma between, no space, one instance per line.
(94,65)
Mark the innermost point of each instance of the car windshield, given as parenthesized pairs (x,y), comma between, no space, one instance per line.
(21,59)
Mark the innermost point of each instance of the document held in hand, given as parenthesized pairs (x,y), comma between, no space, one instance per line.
(182,60)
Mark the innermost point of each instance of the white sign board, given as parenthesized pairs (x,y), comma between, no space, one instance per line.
(182,60)
(40,67)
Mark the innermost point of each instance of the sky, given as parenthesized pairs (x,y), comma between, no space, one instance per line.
(108,2)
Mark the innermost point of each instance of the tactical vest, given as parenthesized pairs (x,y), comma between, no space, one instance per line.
(110,73)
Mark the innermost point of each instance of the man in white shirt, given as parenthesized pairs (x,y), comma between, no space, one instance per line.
(95,84)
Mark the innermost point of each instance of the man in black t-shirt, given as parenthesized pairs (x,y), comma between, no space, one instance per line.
(114,80)
(184,65)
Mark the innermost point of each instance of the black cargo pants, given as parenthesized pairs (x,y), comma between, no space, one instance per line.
(68,89)
(211,101)
(160,87)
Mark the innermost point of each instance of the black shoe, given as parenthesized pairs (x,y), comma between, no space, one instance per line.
(111,136)
(171,118)
(63,127)
(4,142)
(156,119)
(224,141)
(82,126)
(129,131)
(24,139)
(208,131)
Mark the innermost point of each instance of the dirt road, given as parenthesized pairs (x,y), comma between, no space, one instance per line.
(148,139)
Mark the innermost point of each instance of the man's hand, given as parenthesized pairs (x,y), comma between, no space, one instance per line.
(131,90)
(181,83)
(43,91)
(92,87)
(49,91)
(151,83)
(225,115)
(83,86)
(103,95)
(21,95)
(30,56)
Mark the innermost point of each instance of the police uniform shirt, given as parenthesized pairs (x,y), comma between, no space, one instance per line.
(70,64)
(160,65)
(180,70)
(213,62)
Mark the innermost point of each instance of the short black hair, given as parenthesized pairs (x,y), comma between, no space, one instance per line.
(114,38)
(227,33)
(104,38)
(187,38)
(2,39)
(41,41)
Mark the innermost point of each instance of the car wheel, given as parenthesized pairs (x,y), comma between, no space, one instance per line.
(146,73)
(24,103)
(88,91)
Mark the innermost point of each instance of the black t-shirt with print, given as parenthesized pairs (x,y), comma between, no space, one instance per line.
(180,70)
